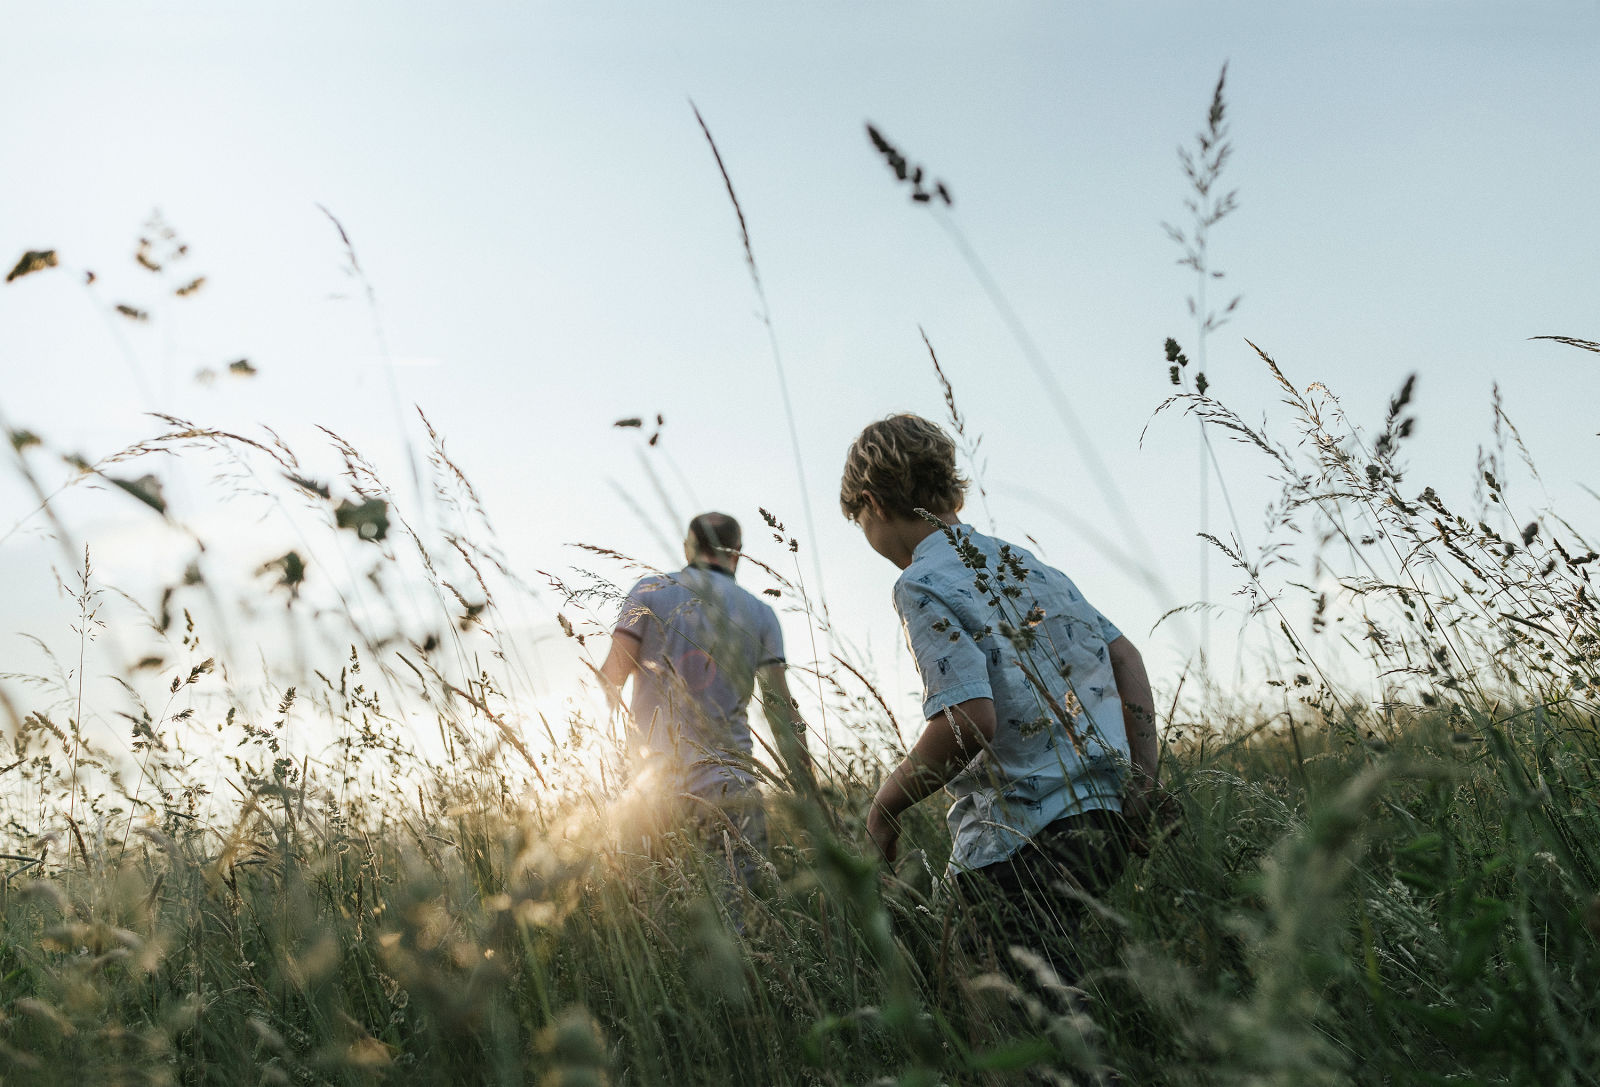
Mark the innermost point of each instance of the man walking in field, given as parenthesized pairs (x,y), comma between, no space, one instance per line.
(1040,719)
(696,644)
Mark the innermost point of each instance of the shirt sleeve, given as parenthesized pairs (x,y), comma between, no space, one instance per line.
(952,666)
(636,612)
(771,639)
(1108,630)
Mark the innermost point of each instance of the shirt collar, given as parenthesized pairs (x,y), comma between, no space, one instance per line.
(936,539)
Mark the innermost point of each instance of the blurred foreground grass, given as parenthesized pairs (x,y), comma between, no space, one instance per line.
(1414,906)
(1390,880)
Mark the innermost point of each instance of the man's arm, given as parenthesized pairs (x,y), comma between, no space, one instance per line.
(620,663)
(951,739)
(1139,718)
(783,717)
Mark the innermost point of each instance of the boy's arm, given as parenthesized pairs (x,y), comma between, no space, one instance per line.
(1139,718)
(951,739)
(783,716)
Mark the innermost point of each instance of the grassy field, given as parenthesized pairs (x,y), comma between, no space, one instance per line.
(1394,890)
(1409,901)
(1393,879)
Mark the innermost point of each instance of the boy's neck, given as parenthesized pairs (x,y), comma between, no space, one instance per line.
(907,532)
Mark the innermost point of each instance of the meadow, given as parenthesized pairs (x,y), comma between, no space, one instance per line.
(1401,889)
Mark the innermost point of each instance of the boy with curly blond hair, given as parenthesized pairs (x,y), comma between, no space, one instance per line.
(1039,717)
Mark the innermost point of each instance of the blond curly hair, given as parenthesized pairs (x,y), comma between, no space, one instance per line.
(904,462)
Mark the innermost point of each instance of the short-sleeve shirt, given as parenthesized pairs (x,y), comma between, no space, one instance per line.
(986,619)
(702,638)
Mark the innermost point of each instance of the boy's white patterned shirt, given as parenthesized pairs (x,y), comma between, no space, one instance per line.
(1003,625)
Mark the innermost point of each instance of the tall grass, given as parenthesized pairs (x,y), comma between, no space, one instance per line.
(1399,889)
(377,860)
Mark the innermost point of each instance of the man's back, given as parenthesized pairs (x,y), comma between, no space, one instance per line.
(702,639)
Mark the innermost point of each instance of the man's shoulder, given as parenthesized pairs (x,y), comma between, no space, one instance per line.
(657,591)
(749,600)
(715,589)
(650,583)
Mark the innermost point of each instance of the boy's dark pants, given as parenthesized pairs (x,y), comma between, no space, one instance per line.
(1035,897)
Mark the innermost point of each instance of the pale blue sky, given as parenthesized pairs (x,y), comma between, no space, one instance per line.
(552,248)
